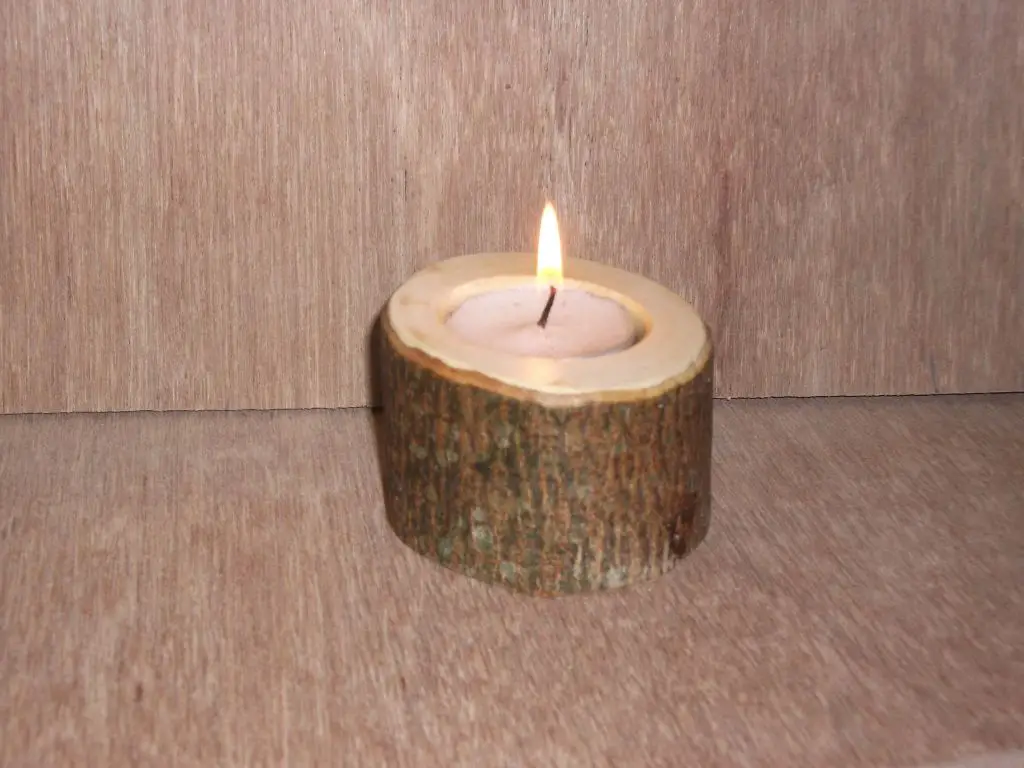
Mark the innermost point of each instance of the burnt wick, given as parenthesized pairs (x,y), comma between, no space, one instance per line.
(547,308)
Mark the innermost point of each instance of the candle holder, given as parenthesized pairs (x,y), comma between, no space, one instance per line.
(547,475)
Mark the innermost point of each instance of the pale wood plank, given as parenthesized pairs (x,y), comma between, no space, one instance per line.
(203,205)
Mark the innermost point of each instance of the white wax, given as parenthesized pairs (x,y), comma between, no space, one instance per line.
(580,324)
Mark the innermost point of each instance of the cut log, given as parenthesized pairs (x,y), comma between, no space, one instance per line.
(544,493)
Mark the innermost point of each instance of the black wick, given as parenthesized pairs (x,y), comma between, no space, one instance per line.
(547,308)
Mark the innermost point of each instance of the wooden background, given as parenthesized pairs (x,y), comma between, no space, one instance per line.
(204,204)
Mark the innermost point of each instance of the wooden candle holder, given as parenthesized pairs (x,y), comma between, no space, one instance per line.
(545,490)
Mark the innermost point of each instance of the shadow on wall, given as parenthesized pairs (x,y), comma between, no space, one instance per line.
(373,339)
(374,346)
(373,375)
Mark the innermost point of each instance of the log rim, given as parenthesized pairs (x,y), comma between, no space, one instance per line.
(482,381)
(550,381)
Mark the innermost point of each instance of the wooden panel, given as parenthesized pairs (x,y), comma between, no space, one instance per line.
(203,205)
(873,163)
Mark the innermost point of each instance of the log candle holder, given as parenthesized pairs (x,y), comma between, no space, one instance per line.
(547,474)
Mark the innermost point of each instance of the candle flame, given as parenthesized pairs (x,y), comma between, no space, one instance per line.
(549,249)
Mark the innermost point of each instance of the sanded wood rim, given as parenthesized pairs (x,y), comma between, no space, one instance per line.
(674,346)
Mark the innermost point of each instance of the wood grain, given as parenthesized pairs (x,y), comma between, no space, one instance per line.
(204,205)
(223,589)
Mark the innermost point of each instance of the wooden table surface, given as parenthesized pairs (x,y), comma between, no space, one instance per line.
(223,589)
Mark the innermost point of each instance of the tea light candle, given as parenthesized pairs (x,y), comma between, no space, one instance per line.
(580,324)
(552,451)
(542,321)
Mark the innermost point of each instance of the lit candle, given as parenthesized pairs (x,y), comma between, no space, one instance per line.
(608,330)
(547,421)
(546,319)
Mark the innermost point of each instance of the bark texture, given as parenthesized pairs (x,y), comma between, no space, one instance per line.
(544,500)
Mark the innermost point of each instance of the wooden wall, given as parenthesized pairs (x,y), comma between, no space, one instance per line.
(204,204)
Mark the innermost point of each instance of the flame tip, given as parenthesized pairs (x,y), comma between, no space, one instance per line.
(549,248)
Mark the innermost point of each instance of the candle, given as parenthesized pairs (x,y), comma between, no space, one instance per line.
(541,320)
(608,331)
(580,324)
(547,422)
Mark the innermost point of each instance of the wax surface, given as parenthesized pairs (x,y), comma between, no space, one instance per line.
(580,324)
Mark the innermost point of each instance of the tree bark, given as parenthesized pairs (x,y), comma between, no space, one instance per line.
(543,500)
